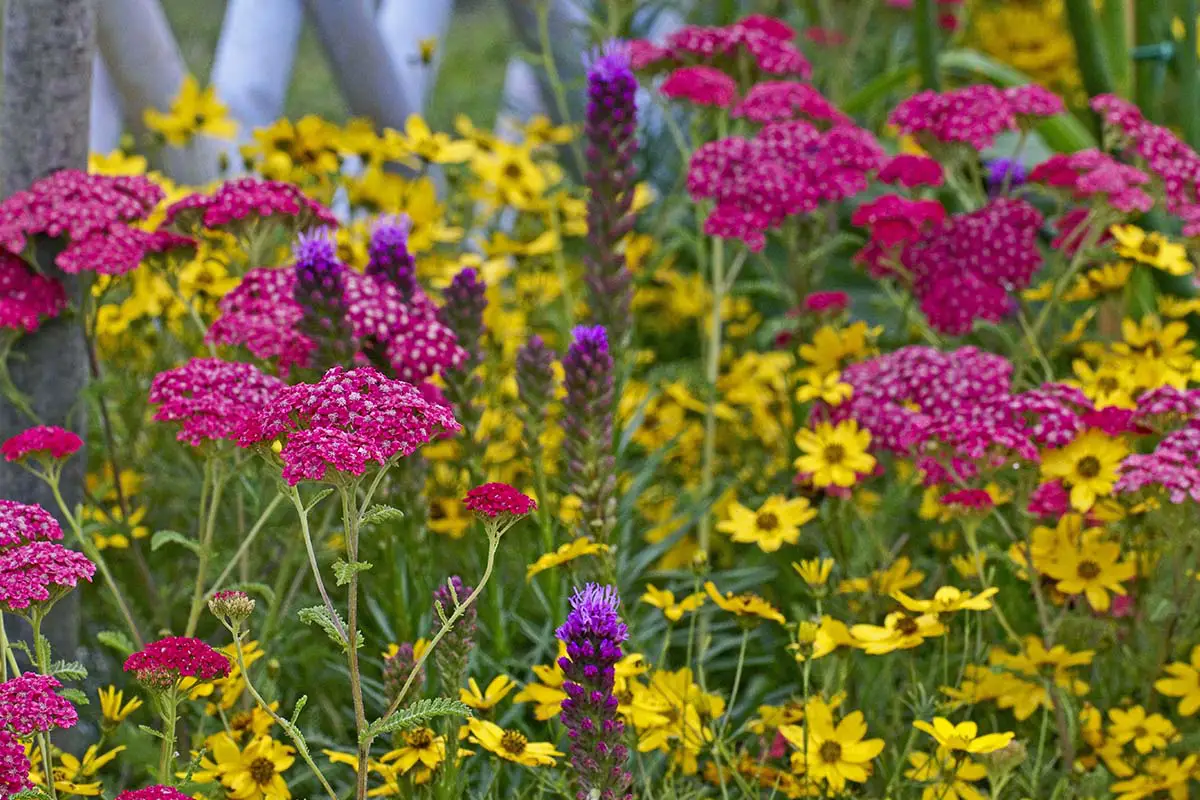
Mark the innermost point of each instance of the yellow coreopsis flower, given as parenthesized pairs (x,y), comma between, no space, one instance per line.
(746,605)
(948,599)
(898,632)
(963,737)
(1183,682)
(815,572)
(833,754)
(898,576)
(421,747)
(1154,249)
(950,775)
(487,699)
(570,551)
(826,386)
(776,522)
(1091,567)
(118,162)
(664,599)
(253,773)
(1162,776)
(546,693)
(511,745)
(1147,732)
(835,456)
(194,111)
(435,147)
(1088,465)
(113,707)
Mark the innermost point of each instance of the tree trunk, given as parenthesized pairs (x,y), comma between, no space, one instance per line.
(48,50)
(360,61)
(403,24)
(148,69)
(107,116)
(253,65)
(563,34)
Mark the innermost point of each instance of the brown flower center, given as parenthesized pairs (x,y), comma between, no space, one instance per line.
(766,521)
(241,721)
(1088,570)
(420,738)
(1088,467)
(1150,247)
(513,742)
(834,453)
(262,770)
(1108,385)
(513,170)
(907,625)
(831,752)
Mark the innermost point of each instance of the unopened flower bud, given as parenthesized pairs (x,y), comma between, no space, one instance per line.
(1006,759)
(231,607)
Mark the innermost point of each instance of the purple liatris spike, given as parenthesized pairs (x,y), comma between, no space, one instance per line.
(465,300)
(320,293)
(388,256)
(588,425)
(396,670)
(452,654)
(610,131)
(593,633)
(535,376)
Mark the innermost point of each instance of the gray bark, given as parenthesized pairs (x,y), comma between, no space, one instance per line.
(48,50)
(360,61)
(253,65)
(148,69)
(107,117)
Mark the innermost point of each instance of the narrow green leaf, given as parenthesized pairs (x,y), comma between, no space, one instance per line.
(161,538)
(117,641)
(318,497)
(149,730)
(381,513)
(300,704)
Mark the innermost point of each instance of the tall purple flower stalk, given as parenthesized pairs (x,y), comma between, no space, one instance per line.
(610,130)
(464,302)
(388,256)
(320,292)
(588,425)
(535,385)
(452,654)
(593,633)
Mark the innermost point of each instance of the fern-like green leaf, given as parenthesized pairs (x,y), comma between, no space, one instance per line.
(319,615)
(415,715)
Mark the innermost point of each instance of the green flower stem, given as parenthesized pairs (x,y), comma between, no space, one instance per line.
(7,658)
(206,538)
(351,520)
(1149,24)
(1189,77)
(312,562)
(91,551)
(245,545)
(712,369)
(291,730)
(737,680)
(1117,44)
(170,717)
(925,17)
(42,657)
(1081,16)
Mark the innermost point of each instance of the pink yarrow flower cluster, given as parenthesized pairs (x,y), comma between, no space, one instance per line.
(1172,468)
(29,705)
(973,115)
(911,171)
(1092,174)
(163,663)
(766,40)
(701,85)
(966,267)
(263,315)
(91,212)
(27,298)
(788,168)
(242,199)
(14,765)
(780,101)
(344,422)
(21,524)
(40,573)
(46,442)
(209,397)
(155,792)
(494,500)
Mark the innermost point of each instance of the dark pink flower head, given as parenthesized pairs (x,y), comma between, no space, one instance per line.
(21,524)
(1050,500)
(163,663)
(894,220)
(826,302)
(27,298)
(344,422)
(494,500)
(249,199)
(968,500)
(701,85)
(973,115)
(155,792)
(210,397)
(44,442)
(911,171)
(643,54)
(14,765)
(40,573)
(90,212)
(1112,420)
(779,101)
(29,705)
(1072,231)
(1092,174)
(1166,407)
(1032,103)
(767,41)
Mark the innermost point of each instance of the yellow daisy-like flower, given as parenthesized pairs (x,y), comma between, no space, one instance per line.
(193,111)
(1099,281)
(1088,465)
(834,456)
(664,599)
(815,572)
(951,775)
(1092,568)
(948,599)
(1108,384)
(421,747)
(826,386)
(1154,249)
(487,699)
(253,773)
(898,576)
(1183,681)
(511,745)
(817,640)
(963,737)
(1177,307)
(834,754)
(776,522)
(898,632)
(1147,732)
(113,707)
(745,605)
(570,551)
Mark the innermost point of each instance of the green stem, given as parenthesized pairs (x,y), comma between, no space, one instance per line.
(737,680)
(316,569)
(206,537)
(712,370)
(350,519)
(166,758)
(291,730)
(1189,77)
(1081,16)
(1116,42)
(925,19)
(1148,30)
(245,545)
(42,657)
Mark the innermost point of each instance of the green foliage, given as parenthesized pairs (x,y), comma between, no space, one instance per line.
(416,715)
(161,538)
(332,624)
(344,571)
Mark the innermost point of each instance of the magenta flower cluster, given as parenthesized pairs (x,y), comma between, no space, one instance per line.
(767,42)
(43,441)
(345,421)
(210,397)
(788,168)
(973,115)
(911,171)
(1096,176)
(21,524)
(781,101)
(29,704)
(40,572)
(494,500)
(27,298)
(248,199)
(155,792)
(163,663)
(14,765)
